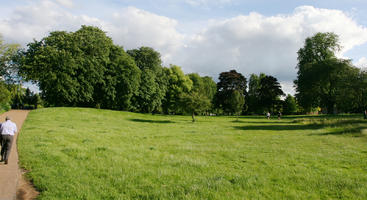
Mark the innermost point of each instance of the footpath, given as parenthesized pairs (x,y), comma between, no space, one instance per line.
(11,181)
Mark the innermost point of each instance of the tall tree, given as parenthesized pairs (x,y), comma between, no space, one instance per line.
(236,101)
(228,83)
(8,69)
(269,92)
(178,84)
(319,72)
(121,81)
(290,105)
(352,90)
(81,68)
(194,102)
(210,87)
(153,81)
(205,86)
(253,95)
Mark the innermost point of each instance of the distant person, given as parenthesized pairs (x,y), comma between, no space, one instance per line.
(268,115)
(279,114)
(8,129)
(365,114)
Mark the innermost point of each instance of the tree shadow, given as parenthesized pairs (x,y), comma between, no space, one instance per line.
(352,131)
(152,121)
(264,122)
(353,128)
(281,127)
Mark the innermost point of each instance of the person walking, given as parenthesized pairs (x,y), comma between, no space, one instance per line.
(268,115)
(7,130)
(279,115)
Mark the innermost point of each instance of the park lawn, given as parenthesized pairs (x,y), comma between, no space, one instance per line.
(80,153)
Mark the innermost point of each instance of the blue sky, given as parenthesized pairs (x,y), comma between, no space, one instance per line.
(204,36)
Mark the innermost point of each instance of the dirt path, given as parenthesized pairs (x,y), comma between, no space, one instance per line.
(12,184)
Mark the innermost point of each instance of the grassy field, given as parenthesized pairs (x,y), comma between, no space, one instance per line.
(75,153)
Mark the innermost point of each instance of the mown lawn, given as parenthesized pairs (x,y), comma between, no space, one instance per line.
(76,153)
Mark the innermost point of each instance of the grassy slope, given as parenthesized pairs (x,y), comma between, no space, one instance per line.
(75,153)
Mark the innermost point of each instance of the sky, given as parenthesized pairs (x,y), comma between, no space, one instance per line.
(202,36)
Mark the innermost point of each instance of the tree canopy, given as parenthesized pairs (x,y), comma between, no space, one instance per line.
(81,68)
(228,83)
(322,76)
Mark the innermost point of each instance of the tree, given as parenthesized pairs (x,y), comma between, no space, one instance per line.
(253,94)
(210,87)
(237,100)
(81,68)
(121,81)
(178,84)
(320,72)
(8,71)
(194,102)
(205,86)
(352,91)
(290,105)
(269,92)
(228,83)
(5,97)
(153,83)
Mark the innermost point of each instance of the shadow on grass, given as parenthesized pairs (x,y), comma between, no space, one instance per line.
(353,131)
(280,127)
(264,122)
(152,121)
(354,128)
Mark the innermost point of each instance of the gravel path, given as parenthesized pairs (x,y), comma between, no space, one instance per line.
(12,184)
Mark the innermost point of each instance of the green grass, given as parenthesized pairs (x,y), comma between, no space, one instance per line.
(75,153)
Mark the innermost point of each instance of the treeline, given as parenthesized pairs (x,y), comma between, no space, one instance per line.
(85,69)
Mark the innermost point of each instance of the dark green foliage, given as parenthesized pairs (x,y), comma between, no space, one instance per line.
(352,91)
(228,83)
(205,86)
(269,92)
(83,68)
(121,81)
(290,105)
(322,79)
(195,102)
(236,101)
(5,97)
(30,100)
(177,84)
(253,94)
(8,70)
(320,47)
(210,87)
(18,94)
(152,87)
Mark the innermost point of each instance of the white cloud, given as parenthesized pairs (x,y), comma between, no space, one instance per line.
(36,21)
(132,28)
(250,43)
(255,43)
(66,3)
(288,87)
(206,3)
(362,63)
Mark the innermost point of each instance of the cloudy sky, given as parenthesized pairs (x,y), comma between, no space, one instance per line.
(204,36)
